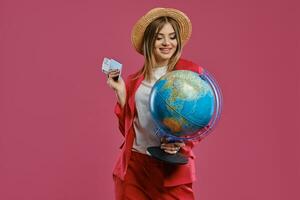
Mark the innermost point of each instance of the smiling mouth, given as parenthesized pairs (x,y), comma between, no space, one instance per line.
(165,50)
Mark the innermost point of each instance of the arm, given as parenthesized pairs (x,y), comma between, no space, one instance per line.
(119,87)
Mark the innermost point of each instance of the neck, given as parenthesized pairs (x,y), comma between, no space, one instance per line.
(161,64)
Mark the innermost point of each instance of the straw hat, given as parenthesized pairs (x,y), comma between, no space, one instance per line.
(139,28)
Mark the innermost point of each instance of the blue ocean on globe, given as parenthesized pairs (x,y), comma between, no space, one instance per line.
(181,103)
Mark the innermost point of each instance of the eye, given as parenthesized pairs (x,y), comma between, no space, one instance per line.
(158,38)
(173,38)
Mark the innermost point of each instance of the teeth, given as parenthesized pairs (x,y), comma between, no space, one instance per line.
(165,50)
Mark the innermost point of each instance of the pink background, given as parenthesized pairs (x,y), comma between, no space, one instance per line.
(59,137)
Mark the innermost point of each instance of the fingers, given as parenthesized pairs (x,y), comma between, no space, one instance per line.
(113,73)
(172,148)
(113,84)
(179,144)
(173,145)
(170,152)
(169,149)
(114,79)
(109,82)
(163,140)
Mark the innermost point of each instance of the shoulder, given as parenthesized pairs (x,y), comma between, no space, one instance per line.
(133,76)
(133,80)
(183,64)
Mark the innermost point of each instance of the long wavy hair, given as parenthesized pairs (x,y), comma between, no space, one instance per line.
(150,36)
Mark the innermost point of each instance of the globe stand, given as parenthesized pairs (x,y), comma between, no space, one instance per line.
(176,159)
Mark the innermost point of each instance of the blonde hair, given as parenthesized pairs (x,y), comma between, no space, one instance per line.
(149,39)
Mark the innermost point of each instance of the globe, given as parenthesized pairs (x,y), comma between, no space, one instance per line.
(184,105)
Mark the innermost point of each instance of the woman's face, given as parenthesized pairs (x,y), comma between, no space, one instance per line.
(165,45)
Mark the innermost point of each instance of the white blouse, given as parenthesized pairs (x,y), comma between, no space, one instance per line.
(143,124)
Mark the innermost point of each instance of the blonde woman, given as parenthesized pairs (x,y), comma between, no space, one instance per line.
(159,36)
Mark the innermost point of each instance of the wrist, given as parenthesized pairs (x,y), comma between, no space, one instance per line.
(121,97)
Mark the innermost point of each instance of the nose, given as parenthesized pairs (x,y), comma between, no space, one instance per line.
(166,41)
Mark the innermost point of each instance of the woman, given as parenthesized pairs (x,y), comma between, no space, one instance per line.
(159,36)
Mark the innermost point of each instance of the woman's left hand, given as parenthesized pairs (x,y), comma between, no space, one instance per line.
(171,147)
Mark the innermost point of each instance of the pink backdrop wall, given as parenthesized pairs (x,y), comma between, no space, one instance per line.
(59,137)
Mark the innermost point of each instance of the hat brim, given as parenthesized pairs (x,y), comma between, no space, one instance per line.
(139,28)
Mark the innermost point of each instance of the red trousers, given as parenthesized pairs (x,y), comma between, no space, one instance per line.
(144,181)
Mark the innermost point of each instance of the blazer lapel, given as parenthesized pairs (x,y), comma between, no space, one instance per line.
(133,88)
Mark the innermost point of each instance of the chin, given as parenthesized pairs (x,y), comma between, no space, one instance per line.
(163,60)
(165,56)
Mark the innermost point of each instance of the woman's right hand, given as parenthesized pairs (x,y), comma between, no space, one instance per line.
(118,85)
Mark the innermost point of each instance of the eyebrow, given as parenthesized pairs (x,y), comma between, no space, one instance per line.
(163,34)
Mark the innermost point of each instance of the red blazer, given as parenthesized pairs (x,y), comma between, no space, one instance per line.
(175,174)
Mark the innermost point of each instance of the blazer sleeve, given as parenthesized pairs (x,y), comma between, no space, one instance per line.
(121,112)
